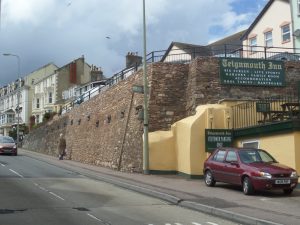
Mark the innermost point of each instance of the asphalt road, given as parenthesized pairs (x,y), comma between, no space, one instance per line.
(37,193)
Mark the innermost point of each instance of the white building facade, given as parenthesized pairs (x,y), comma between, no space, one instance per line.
(44,97)
(270,32)
(13,98)
(9,116)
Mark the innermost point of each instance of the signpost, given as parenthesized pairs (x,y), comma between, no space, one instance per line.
(253,72)
(216,138)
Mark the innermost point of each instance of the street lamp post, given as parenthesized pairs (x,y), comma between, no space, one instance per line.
(145,143)
(18,94)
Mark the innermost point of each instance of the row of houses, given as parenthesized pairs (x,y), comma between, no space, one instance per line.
(42,91)
(52,89)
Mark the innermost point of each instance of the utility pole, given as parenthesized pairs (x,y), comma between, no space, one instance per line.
(145,143)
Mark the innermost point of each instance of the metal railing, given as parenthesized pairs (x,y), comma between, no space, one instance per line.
(265,111)
(237,51)
(123,74)
(186,55)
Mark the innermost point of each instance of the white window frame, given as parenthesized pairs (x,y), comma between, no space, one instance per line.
(37,103)
(50,98)
(289,33)
(250,142)
(253,44)
(268,39)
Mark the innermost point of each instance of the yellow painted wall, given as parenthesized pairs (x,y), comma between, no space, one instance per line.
(163,155)
(281,147)
(297,152)
(182,149)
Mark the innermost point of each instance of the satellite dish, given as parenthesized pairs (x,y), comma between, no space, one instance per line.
(297,33)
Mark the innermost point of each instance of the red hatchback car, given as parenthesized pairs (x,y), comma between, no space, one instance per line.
(253,169)
(8,145)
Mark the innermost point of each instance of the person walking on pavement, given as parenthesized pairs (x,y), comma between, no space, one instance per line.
(61,147)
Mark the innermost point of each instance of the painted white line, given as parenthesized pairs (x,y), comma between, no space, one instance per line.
(43,189)
(196,223)
(264,199)
(2,164)
(16,173)
(212,223)
(57,196)
(94,217)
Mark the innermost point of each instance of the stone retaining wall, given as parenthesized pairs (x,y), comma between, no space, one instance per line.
(175,91)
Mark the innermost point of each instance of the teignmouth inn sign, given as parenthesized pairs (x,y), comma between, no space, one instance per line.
(255,72)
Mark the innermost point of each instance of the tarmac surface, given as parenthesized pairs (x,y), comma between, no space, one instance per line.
(223,200)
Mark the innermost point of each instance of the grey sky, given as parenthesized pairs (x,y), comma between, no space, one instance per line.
(44,31)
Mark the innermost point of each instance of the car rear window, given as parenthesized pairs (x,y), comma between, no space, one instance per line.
(219,156)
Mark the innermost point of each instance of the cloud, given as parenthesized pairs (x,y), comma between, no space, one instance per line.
(26,12)
(61,30)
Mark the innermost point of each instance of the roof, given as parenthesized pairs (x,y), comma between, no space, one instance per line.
(260,15)
(229,39)
(82,57)
(181,45)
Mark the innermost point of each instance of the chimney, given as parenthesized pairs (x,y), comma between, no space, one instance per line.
(132,59)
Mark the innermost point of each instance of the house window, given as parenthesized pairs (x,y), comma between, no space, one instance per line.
(268,39)
(253,44)
(250,144)
(37,103)
(37,118)
(298,4)
(286,34)
(50,97)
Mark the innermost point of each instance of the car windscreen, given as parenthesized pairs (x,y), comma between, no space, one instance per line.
(6,139)
(255,155)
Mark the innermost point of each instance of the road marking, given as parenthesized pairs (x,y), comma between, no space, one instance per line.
(2,164)
(95,218)
(16,173)
(57,196)
(212,223)
(196,223)
(43,189)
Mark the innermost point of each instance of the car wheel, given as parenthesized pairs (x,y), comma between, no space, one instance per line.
(247,186)
(288,191)
(209,179)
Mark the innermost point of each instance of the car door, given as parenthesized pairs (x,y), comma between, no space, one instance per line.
(217,164)
(232,170)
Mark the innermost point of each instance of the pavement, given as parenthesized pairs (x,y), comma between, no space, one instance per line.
(223,200)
